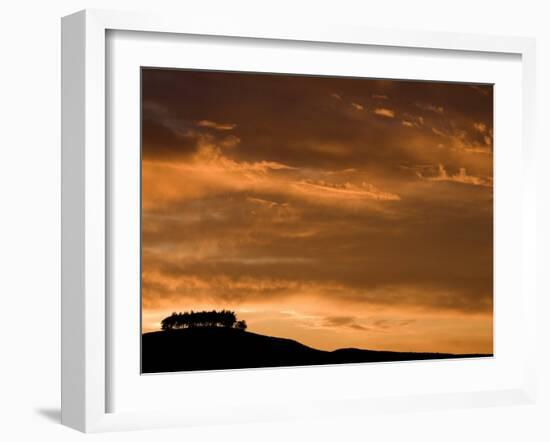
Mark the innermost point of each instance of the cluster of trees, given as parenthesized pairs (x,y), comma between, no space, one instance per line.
(223,318)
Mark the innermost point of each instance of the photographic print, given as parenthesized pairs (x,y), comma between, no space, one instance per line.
(295,220)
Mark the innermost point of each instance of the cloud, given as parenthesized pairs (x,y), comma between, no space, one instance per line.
(275,211)
(460,177)
(210,171)
(478,149)
(384,112)
(169,279)
(210,158)
(166,136)
(480,127)
(335,150)
(478,141)
(336,96)
(324,189)
(206,172)
(160,124)
(217,126)
(385,324)
(229,142)
(430,107)
(362,324)
(161,288)
(438,132)
(342,321)
(416,120)
(357,106)
(407,123)
(342,171)
(380,97)
(169,282)
(461,140)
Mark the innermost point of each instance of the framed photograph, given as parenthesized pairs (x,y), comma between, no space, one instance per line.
(286,222)
(292,220)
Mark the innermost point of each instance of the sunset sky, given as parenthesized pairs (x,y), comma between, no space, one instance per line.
(338,212)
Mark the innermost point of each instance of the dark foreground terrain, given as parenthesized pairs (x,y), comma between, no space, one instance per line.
(218,348)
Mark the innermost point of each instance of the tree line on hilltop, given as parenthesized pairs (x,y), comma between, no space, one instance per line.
(213,318)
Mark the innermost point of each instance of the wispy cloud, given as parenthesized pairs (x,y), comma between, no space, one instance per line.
(348,190)
(461,176)
(343,321)
(380,97)
(478,141)
(358,106)
(229,142)
(436,131)
(384,112)
(480,127)
(342,171)
(430,107)
(410,120)
(217,126)
(211,172)
(278,212)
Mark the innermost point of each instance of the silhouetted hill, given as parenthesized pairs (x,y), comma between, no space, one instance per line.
(214,348)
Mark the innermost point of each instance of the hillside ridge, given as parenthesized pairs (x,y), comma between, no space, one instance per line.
(218,348)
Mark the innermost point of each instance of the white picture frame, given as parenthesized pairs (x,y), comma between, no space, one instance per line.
(86,205)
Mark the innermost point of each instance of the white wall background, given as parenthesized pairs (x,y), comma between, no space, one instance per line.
(30,216)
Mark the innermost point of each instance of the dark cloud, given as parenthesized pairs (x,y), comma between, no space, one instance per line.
(362,251)
(161,142)
(344,321)
(283,118)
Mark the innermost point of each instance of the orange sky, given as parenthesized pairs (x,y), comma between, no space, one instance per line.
(338,212)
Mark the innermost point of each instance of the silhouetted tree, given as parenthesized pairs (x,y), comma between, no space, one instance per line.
(223,318)
(241,325)
(169,322)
